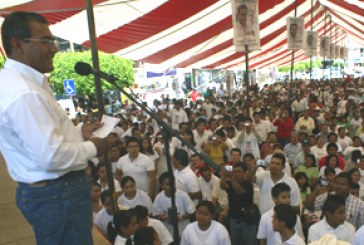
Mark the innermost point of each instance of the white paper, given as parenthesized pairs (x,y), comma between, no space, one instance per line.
(109,125)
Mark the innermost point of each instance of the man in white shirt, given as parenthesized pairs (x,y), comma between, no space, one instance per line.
(43,150)
(249,139)
(186,179)
(138,166)
(284,220)
(200,134)
(264,127)
(143,220)
(266,234)
(207,182)
(333,223)
(267,179)
(178,115)
(343,140)
(305,123)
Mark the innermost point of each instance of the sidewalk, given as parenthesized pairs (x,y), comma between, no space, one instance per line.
(14,230)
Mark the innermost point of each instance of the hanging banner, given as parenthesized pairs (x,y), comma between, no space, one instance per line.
(332,51)
(310,43)
(324,46)
(295,31)
(337,51)
(246,24)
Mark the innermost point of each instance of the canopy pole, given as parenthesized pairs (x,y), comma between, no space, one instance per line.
(95,64)
(247,84)
(324,61)
(292,58)
(310,51)
(331,42)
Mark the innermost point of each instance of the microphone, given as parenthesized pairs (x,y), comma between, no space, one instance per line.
(85,69)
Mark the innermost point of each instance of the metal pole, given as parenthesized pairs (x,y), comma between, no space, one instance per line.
(95,63)
(324,64)
(310,52)
(292,58)
(330,47)
(247,84)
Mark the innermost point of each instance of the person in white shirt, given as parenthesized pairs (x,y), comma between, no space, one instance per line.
(103,181)
(267,179)
(207,182)
(143,221)
(205,231)
(41,146)
(178,115)
(343,140)
(264,127)
(138,166)
(186,180)
(266,234)
(200,134)
(132,197)
(359,236)
(333,221)
(319,150)
(305,123)
(249,138)
(283,221)
(124,226)
(162,202)
(105,215)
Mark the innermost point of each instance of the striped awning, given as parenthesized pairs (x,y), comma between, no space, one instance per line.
(192,33)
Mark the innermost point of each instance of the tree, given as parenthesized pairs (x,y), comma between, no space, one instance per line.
(64,69)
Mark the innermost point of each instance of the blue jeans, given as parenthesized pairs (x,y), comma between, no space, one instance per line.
(59,211)
(242,233)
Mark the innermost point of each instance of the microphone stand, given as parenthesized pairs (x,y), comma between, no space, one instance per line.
(167,132)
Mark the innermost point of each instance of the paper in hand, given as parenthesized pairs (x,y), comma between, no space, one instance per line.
(109,124)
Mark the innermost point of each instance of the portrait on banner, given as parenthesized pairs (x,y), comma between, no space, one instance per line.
(246,24)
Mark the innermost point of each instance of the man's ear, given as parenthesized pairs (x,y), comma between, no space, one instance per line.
(17,46)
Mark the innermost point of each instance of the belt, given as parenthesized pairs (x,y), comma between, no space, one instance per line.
(68,175)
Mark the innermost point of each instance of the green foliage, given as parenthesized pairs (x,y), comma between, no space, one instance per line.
(284,69)
(64,69)
(1,62)
(302,66)
(338,64)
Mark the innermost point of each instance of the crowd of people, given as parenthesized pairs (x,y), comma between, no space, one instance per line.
(288,166)
(291,166)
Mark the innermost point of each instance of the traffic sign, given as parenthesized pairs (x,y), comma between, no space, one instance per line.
(69,87)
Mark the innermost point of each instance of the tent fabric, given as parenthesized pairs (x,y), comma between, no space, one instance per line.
(191,33)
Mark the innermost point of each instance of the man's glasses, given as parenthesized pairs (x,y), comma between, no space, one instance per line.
(46,41)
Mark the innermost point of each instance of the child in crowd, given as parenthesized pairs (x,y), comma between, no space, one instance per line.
(95,195)
(143,220)
(303,184)
(123,227)
(205,230)
(132,197)
(105,215)
(101,171)
(162,202)
(145,236)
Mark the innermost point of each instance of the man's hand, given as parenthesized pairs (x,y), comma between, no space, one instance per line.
(88,128)
(100,145)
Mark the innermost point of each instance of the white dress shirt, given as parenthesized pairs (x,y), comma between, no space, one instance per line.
(37,139)
(344,232)
(138,169)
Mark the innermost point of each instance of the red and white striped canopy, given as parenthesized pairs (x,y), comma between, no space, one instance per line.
(192,33)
